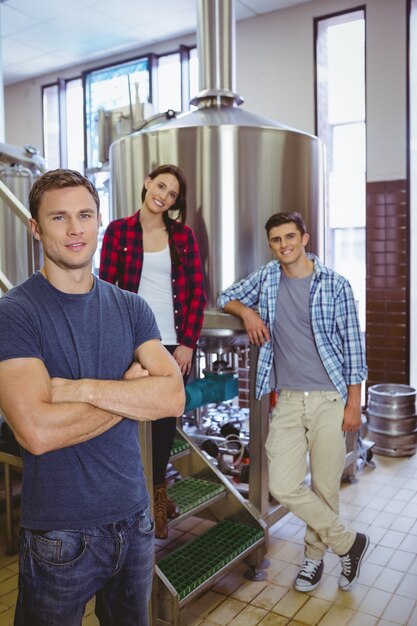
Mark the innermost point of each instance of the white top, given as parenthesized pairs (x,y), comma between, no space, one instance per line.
(156,288)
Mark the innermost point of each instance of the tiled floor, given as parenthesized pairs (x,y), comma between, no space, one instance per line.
(383,503)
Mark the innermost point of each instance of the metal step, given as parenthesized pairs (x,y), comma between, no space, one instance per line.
(203,491)
(180,447)
(197,564)
(194,494)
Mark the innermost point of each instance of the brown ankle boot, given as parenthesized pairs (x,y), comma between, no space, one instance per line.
(160,511)
(172,508)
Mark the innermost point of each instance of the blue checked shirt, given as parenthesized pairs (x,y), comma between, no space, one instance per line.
(333,316)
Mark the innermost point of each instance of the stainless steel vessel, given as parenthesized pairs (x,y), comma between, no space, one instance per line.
(392,419)
(240,167)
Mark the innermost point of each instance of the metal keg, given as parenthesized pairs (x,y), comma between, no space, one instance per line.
(392,419)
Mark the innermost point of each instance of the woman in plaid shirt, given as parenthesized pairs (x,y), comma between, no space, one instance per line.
(155,254)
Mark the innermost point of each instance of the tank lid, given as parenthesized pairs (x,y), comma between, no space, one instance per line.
(220,116)
(392,390)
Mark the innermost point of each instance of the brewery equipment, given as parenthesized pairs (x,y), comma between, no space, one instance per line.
(240,168)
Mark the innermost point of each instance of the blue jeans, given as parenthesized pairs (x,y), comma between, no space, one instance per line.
(60,571)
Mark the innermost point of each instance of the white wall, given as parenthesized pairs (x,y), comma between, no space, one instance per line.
(275,76)
(275,71)
(23,114)
(386,90)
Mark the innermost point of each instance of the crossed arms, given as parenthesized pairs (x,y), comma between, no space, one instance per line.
(47,414)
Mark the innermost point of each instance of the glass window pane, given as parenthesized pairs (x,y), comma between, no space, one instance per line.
(350,244)
(341,126)
(75,124)
(349,148)
(347,199)
(346,72)
(169,82)
(115,89)
(51,127)
(101,181)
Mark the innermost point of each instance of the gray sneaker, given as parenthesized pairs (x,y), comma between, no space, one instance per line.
(309,576)
(351,562)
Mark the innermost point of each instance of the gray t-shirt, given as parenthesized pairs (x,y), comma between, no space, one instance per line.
(91,335)
(297,364)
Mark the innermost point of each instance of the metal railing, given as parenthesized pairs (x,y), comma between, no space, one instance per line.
(23,215)
(5,284)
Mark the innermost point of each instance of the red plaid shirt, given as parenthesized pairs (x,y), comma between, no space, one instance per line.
(121,263)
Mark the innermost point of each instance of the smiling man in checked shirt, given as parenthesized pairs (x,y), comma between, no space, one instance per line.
(311,351)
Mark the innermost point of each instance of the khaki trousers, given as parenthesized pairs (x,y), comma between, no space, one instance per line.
(310,423)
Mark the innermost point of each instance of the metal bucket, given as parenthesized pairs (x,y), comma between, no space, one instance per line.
(392,419)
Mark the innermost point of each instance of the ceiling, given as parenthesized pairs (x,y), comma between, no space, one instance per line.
(42,36)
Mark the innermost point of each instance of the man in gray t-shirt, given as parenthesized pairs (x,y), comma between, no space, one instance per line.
(311,351)
(81,363)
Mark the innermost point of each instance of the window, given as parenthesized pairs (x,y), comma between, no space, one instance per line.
(112,98)
(63,134)
(177,80)
(75,124)
(169,83)
(51,127)
(340,57)
(116,99)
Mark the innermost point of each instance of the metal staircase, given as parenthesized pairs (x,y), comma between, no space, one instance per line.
(236,533)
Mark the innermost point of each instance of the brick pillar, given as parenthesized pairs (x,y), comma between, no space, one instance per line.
(387,293)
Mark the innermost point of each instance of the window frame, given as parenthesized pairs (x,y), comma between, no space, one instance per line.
(330,235)
(184,52)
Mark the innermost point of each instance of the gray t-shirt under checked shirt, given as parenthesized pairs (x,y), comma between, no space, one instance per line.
(297,364)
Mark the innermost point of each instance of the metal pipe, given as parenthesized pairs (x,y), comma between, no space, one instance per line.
(216,53)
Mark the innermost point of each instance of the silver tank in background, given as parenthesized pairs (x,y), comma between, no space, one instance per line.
(240,168)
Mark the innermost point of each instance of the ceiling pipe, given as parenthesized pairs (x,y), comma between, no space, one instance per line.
(216,47)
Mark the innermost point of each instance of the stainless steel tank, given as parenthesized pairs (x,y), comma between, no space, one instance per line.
(240,167)
(392,419)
